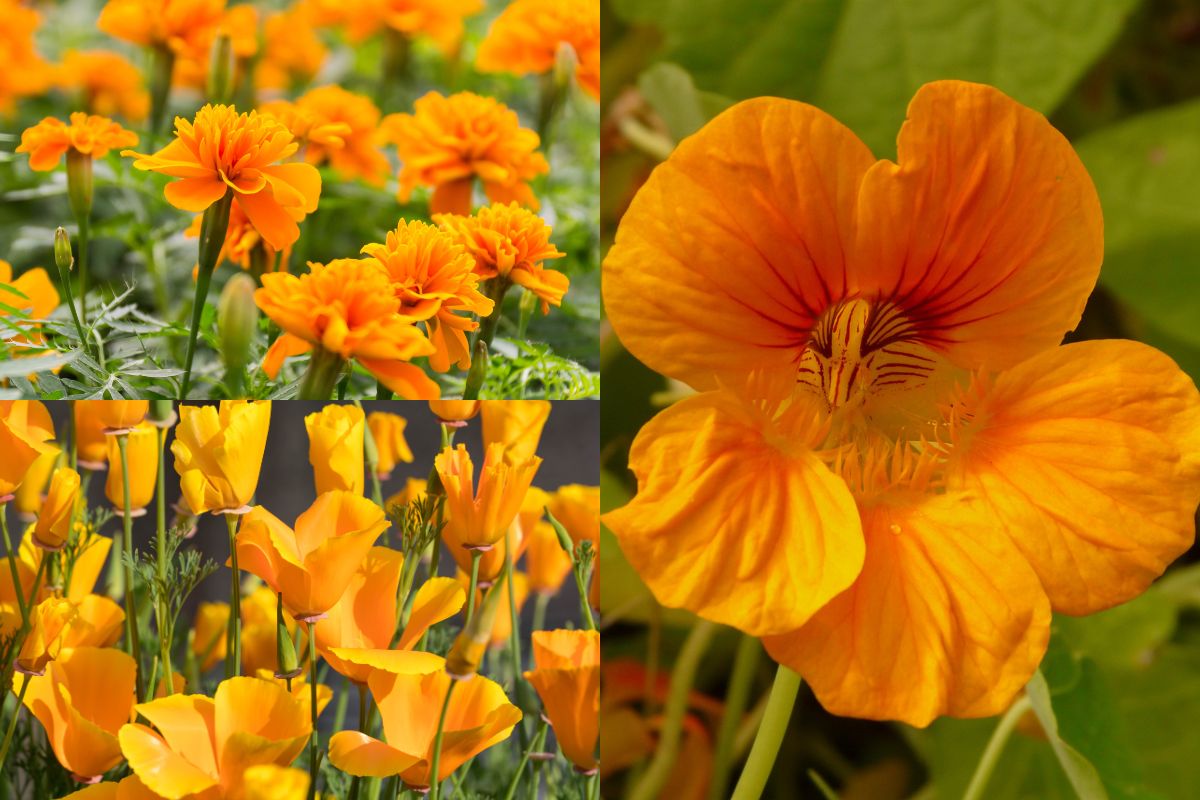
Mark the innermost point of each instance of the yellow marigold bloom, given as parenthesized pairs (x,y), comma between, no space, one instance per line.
(107,83)
(42,644)
(54,518)
(547,563)
(292,53)
(410,690)
(219,453)
(455,410)
(447,142)
(313,564)
(527,35)
(566,676)
(510,243)
(388,432)
(223,151)
(577,507)
(141,451)
(25,72)
(29,495)
(39,300)
(365,617)
(434,278)
(202,746)
(517,425)
(915,471)
(242,239)
(478,518)
(90,135)
(91,450)
(84,698)
(335,448)
(347,307)
(356,152)
(25,431)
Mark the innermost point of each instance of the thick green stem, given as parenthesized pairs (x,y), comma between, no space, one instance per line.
(770,735)
(321,376)
(585,605)
(741,679)
(487,326)
(133,646)
(12,725)
(160,88)
(213,227)
(435,783)
(233,633)
(995,748)
(682,677)
(539,610)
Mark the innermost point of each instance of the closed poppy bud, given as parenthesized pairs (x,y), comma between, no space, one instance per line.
(219,453)
(141,452)
(62,250)
(390,445)
(29,494)
(91,450)
(516,424)
(481,518)
(54,521)
(237,320)
(567,679)
(44,640)
(25,427)
(454,410)
(335,448)
(548,564)
(577,507)
(119,414)
(466,654)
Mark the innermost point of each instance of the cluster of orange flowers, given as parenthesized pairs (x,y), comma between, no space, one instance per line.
(349,600)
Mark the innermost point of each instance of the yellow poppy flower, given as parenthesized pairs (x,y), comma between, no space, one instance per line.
(54,519)
(548,564)
(502,627)
(91,449)
(258,632)
(44,641)
(903,471)
(455,410)
(566,676)
(299,690)
(414,489)
(89,563)
(273,782)
(141,451)
(25,431)
(29,495)
(118,414)
(577,507)
(478,518)
(128,788)
(98,622)
(515,424)
(335,448)
(219,452)
(390,445)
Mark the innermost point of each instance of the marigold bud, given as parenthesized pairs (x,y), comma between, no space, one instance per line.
(62,250)
(237,320)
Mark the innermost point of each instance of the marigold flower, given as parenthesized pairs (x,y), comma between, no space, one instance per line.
(335,448)
(84,698)
(455,410)
(527,35)
(449,141)
(25,431)
(240,24)
(25,72)
(90,135)
(224,151)
(366,615)
(510,242)
(547,563)
(354,153)
(517,425)
(390,445)
(204,746)
(434,277)
(410,690)
(91,449)
(141,451)
(346,307)
(107,83)
(219,453)
(566,676)
(577,507)
(292,53)
(479,518)
(440,20)
(54,518)
(185,27)
(39,300)
(896,412)
(313,564)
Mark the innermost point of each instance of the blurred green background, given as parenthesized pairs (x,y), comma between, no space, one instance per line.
(1121,79)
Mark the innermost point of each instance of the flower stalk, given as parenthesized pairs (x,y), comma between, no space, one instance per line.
(132,643)
(212,237)
(321,377)
(233,633)
(769,737)
(435,790)
(12,725)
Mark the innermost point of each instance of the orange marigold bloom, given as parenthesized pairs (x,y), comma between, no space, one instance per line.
(240,24)
(527,35)
(292,53)
(449,141)
(90,135)
(307,126)
(108,83)
(566,676)
(347,307)
(434,277)
(903,471)
(25,72)
(357,154)
(511,242)
(225,151)
(439,20)
(185,27)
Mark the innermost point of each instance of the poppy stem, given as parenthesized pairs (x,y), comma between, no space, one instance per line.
(995,748)
(12,725)
(12,565)
(213,226)
(165,625)
(741,679)
(131,619)
(312,685)
(233,632)
(475,556)
(435,781)
(770,735)
(539,610)
(514,634)
(539,741)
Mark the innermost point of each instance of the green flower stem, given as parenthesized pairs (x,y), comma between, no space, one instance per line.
(539,741)
(313,764)
(585,604)
(165,625)
(233,633)
(995,748)
(475,556)
(682,677)
(487,326)
(362,727)
(770,735)
(212,237)
(12,725)
(539,610)
(84,235)
(477,374)
(64,279)
(745,664)
(132,645)
(12,566)
(160,89)
(321,376)
(435,783)
(514,634)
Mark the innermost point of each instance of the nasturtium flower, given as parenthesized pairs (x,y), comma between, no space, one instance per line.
(224,151)
(184,27)
(455,410)
(480,516)
(141,453)
(365,618)
(436,283)
(525,39)
(390,445)
(566,676)
(577,507)
(902,471)
(118,415)
(335,447)
(84,698)
(548,565)
(54,519)
(515,424)
(410,689)
(347,307)
(27,499)
(509,243)
(33,294)
(202,746)
(91,450)
(312,564)
(448,142)
(25,433)
(357,153)
(219,453)
(292,52)
(25,72)
(106,83)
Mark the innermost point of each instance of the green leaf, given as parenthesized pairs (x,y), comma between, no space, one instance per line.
(669,89)
(28,366)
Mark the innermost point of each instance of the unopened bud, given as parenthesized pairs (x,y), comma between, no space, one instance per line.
(62,250)
(468,650)
(285,650)
(237,320)
(564,538)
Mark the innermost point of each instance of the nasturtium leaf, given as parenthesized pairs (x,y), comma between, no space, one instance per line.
(1161,704)
(1125,636)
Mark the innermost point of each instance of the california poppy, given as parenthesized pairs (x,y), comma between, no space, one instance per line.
(566,676)
(91,449)
(480,516)
(58,510)
(25,433)
(219,453)
(34,295)
(141,453)
(455,410)
(335,447)
(118,415)
(515,424)
(390,445)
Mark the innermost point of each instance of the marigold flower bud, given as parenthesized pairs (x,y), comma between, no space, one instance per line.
(237,320)
(62,250)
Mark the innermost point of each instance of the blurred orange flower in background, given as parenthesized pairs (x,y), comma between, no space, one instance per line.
(184,27)
(94,136)
(25,431)
(25,72)
(292,53)
(566,675)
(107,83)
(527,35)
(355,153)
(448,142)
(309,127)
(388,432)
(577,507)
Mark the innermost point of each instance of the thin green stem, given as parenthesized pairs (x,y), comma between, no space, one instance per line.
(741,680)
(64,278)
(539,741)
(84,236)
(540,602)
(475,556)
(165,625)
(12,725)
(995,748)
(233,633)
(585,605)
(514,634)
(770,735)
(312,684)
(435,783)
(12,566)
(134,647)
(362,727)
(682,677)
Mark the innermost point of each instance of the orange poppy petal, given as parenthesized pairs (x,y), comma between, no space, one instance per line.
(195,194)
(160,768)
(987,233)
(1090,454)
(946,618)
(733,526)
(437,599)
(186,724)
(737,242)
(358,754)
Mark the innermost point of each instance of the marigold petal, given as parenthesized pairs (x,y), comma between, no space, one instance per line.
(195,194)
(407,380)
(304,179)
(270,219)
(285,346)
